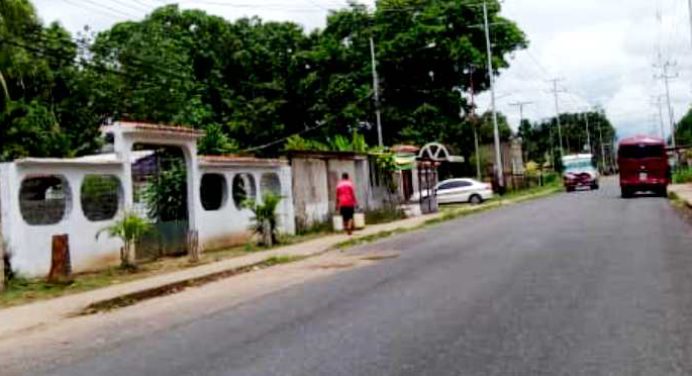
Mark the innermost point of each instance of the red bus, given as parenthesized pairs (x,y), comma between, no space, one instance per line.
(643,164)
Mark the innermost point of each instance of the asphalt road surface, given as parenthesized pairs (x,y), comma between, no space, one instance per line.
(575,284)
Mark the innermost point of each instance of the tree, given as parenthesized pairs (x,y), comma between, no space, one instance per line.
(45,109)
(683,130)
(248,82)
(541,140)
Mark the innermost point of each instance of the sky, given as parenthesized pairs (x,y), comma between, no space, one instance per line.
(604,52)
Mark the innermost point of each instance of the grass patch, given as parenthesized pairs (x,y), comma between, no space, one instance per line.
(172,288)
(384,215)
(682,176)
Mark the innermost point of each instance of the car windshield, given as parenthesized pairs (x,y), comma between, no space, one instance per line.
(578,165)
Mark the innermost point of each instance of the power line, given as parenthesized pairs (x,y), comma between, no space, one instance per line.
(283,139)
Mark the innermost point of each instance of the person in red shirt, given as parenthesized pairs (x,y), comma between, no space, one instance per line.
(346,201)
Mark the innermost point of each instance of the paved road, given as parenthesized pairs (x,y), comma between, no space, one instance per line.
(576,284)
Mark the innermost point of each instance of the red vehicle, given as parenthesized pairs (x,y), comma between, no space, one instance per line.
(643,164)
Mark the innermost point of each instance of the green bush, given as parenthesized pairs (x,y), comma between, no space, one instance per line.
(128,229)
(682,176)
(264,219)
(551,178)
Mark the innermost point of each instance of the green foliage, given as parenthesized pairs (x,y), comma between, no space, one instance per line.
(45,106)
(682,176)
(129,229)
(297,143)
(264,218)
(683,130)
(541,140)
(166,194)
(386,161)
(248,82)
(216,142)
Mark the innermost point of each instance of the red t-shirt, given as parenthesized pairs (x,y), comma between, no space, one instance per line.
(345,194)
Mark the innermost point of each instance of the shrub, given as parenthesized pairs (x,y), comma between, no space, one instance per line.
(129,229)
(682,176)
(265,221)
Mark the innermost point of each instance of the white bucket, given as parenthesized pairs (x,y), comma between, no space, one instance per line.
(338,223)
(359,220)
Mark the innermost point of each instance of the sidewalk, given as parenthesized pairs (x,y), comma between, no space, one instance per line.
(26,317)
(683,192)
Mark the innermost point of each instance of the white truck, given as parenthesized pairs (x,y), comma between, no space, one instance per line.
(579,171)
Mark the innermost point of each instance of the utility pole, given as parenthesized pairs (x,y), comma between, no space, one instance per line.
(496,129)
(689,7)
(474,125)
(658,102)
(600,137)
(521,120)
(376,88)
(521,106)
(666,77)
(588,132)
(557,114)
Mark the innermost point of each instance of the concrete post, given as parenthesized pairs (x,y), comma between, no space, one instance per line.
(2,262)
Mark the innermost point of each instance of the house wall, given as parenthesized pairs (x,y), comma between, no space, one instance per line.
(30,245)
(310,191)
(314,186)
(229,225)
(336,167)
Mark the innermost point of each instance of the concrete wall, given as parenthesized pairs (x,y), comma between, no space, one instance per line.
(30,245)
(229,224)
(310,191)
(314,186)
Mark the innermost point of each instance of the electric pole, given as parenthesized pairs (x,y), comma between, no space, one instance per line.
(600,137)
(588,132)
(474,124)
(491,77)
(521,120)
(521,106)
(557,114)
(666,77)
(689,7)
(658,102)
(376,88)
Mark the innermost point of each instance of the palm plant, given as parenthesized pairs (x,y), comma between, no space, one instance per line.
(129,229)
(264,220)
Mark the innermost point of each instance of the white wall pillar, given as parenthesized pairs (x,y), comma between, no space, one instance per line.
(194,201)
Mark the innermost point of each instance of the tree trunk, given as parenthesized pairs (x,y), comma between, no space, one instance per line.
(267,234)
(61,265)
(127,255)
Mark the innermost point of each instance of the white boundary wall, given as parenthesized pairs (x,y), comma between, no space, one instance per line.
(30,245)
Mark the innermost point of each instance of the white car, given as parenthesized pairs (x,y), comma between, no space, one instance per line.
(459,190)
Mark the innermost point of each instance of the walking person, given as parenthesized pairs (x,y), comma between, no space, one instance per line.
(346,202)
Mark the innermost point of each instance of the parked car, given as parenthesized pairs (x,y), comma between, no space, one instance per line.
(459,191)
